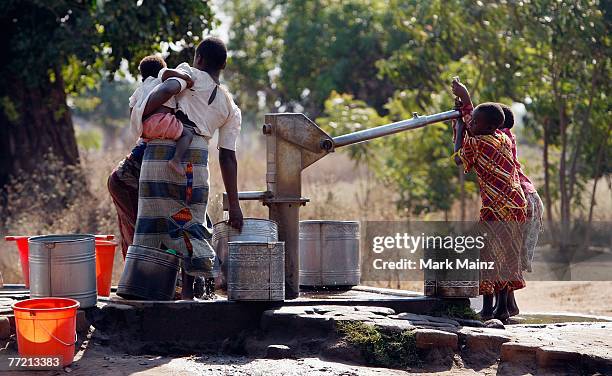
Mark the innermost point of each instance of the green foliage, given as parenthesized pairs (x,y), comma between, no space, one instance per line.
(344,114)
(415,162)
(89,139)
(295,53)
(558,63)
(455,310)
(394,349)
(255,47)
(399,56)
(8,108)
(105,104)
(334,45)
(420,166)
(87,38)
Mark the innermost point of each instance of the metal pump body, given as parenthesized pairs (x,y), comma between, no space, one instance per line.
(294,142)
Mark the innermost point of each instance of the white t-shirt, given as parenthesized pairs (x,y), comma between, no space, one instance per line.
(147,86)
(138,102)
(222,113)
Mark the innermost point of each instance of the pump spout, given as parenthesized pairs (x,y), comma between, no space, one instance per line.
(400,126)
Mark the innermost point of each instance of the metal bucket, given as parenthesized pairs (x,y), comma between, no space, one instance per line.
(329,253)
(149,274)
(253,230)
(256,271)
(449,283)
(63,266)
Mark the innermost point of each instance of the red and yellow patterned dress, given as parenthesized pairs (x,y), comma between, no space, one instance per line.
(503,208)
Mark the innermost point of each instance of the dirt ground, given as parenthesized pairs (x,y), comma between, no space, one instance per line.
(100,361)
(592,298)
(94,359)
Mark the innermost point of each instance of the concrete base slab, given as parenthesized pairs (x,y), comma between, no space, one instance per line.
(155,326)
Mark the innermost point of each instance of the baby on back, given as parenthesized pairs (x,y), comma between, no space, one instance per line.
(162,123)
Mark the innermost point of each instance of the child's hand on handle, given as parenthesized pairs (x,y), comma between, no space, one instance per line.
(459,89)
(461,92)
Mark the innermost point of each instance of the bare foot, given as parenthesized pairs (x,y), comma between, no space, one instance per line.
(501,314)
(513,312)
(513,308)
(487,307)
(176,167)
(485,315)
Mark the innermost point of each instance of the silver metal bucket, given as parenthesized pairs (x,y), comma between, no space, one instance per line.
(63,266)
(149,274)
(449,283)
(256,271)
(329,253)
(253,230)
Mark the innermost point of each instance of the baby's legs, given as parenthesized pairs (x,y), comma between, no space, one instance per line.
(182,144)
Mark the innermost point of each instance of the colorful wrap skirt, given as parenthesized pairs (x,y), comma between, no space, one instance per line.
(172,208)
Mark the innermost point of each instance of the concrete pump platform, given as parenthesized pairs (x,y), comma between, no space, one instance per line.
(182,326)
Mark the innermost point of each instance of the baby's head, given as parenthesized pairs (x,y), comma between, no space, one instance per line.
(487,118)
(150,66)
(508,117)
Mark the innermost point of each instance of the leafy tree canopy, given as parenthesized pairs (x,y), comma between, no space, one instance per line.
(84,38)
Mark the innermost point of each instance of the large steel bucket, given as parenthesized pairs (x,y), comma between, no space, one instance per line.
(449,283)
(253,230)
(256,271)
(63,266)
(329,253)
(149,274)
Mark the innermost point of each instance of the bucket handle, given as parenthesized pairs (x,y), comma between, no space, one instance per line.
(76,337)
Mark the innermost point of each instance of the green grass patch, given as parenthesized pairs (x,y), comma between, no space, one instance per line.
(394,350)
(455,310)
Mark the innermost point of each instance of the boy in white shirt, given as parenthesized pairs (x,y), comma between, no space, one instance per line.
(208,106)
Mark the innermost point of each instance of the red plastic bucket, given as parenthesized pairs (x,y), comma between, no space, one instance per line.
(105,255)
(24,251)
(46,327)
(22,246)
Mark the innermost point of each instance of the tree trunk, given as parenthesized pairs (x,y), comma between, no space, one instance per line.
(598,164)
(582,131)
(40,123)
(547,197)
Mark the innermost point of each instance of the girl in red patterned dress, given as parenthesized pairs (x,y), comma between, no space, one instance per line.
(535,208)
(489,154)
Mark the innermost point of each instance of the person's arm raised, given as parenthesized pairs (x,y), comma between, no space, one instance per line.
(229,172)
(160,95)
